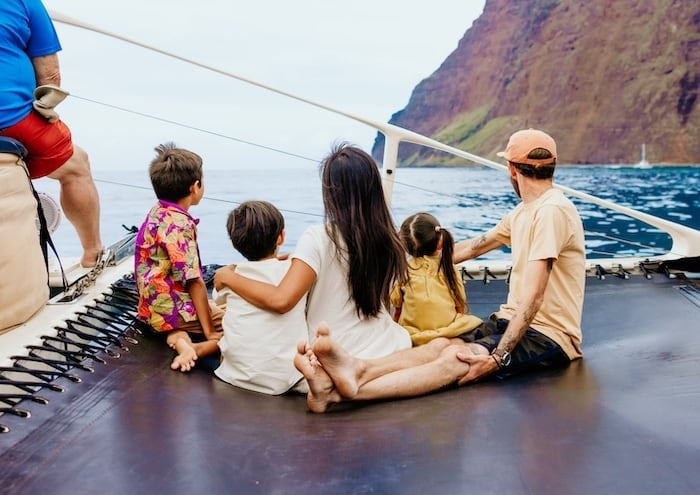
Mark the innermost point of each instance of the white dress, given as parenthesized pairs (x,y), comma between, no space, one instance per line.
(258,346)
(330,300)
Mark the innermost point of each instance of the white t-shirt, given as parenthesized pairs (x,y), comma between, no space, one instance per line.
(258,346)
(330,300)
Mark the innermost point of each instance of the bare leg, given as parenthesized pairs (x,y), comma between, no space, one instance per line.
(81,204)
(186,353)
(322,392)
(357,379)
(349,374)
(446,370)
(206,347)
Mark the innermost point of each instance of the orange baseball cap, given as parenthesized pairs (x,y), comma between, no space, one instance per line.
(521,143)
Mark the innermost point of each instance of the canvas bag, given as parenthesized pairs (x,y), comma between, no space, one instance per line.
(23,275)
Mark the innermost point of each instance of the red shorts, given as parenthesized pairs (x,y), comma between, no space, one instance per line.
(49,144)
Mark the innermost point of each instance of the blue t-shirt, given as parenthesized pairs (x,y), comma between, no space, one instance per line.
(26,31)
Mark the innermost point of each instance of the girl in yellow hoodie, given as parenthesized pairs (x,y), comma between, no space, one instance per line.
(433,302)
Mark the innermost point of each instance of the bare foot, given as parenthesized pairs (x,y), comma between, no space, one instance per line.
(343,369)
(322,392)
(90,258)
(186,355)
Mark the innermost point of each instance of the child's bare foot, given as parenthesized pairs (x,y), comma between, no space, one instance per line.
(186,355)
(342,368)
(322,392)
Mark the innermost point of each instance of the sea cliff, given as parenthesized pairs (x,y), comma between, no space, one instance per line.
(602,77)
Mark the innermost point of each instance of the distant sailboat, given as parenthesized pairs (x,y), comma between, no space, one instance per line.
(643,162)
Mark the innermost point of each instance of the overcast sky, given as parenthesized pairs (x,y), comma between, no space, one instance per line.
(360,56)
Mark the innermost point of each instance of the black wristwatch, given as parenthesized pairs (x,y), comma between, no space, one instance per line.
(502,357)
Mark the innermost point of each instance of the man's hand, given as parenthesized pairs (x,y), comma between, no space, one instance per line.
(480,365)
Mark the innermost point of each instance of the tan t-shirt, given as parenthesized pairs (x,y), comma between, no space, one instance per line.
(549,227)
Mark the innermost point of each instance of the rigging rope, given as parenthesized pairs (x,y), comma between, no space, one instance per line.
(194,128)
(463,199)
(306,158)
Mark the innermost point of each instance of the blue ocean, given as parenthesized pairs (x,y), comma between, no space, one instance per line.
(466,200)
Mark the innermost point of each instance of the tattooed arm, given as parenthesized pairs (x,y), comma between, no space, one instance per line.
(472,248)
(537,274)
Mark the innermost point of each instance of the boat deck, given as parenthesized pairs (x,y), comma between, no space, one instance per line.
(623,420)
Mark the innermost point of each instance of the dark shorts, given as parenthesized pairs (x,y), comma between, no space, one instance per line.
(534,351)
(49,144)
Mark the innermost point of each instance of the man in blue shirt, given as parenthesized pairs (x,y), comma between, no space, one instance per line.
(28,59)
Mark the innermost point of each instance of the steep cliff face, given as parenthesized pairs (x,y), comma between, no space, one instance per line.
(602,77)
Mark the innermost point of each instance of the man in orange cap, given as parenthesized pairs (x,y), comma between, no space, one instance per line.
(539,325)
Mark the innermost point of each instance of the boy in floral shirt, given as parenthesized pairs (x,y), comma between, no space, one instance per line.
(173,297)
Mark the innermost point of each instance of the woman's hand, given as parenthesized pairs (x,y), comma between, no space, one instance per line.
(221,274)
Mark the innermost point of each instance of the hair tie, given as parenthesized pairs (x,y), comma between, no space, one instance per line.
(437,228)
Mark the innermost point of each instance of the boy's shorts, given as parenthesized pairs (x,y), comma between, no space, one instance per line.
(50,145)
(217,313)
(534,351)
(193,328)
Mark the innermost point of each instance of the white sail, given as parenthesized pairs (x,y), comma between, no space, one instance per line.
(643,162)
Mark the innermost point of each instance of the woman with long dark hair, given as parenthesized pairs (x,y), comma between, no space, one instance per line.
(346,265)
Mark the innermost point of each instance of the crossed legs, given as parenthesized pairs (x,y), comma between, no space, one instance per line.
(334,375)
(188,351)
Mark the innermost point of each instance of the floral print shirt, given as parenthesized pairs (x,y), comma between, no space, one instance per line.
(166,258)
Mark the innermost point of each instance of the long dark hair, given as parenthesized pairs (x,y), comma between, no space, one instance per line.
(420,234)
(359,224)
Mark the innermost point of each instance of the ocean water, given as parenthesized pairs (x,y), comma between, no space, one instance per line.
(465,200)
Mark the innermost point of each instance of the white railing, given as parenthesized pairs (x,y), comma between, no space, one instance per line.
(685,240)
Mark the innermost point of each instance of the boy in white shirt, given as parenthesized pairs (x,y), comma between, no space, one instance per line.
(258,346)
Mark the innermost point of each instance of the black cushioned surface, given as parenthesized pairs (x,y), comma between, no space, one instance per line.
(623,420)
